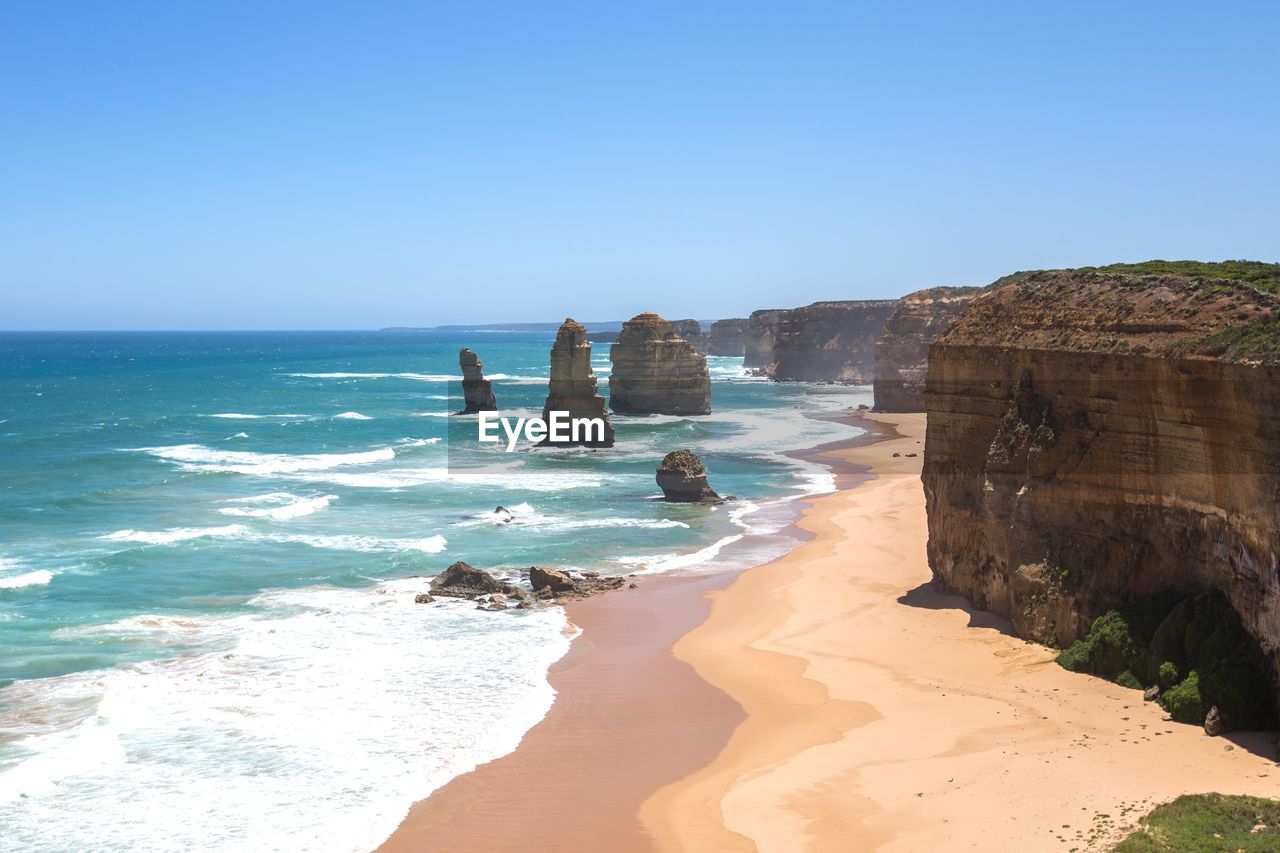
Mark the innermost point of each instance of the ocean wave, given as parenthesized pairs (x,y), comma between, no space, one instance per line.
(658,563)
(285,729)
(418,442)
(238,416)
(353,416)
(281,506)
(418,377)
(523,515)
(359,543)
(197,457)
(38,577)
(175,534)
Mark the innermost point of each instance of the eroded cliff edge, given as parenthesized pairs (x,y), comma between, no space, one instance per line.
(902,353)
(829,341)
(1098,436)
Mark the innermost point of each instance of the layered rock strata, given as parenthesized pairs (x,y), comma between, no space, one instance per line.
(758,337)
(902,353)
(1097,437)
(573,386)
(655,371)
(477,392)
(691,331)
(830,341)
(726,337)
(683,479)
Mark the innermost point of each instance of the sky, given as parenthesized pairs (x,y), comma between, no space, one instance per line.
(276,165)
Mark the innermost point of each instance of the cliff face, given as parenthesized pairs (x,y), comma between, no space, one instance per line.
(655,371)
(726,337)
(691,331)
(573,387)
(758,337)
(830,341)
(902,353)
(1096,438)
(477,392)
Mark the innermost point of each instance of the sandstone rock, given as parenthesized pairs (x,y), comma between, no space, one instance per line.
(683,479)
(1151,694)
(1119,432)
(1213,725)
(553,579)
(691,331)
(423,598)
(461,580)
(902,353)
(655,371)
(830,341)
(726,337)
(573,386)
(477,392)
(758,338)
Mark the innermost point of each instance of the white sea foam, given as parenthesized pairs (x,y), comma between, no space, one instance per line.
(312,723)
(522,515)
(418,442)
(658,563)
(360,543)
(353,416)
(279,506)
(419,377)
(38,577)
(238,416)
(197,457)
(175,534)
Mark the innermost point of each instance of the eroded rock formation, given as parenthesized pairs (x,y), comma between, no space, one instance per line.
(691,331)
(462,580)
(655,371)
(573,386)
(902,353)
(1099,436)
(477,392)
(830,341)
(683,479)
(758,337)
(726,337)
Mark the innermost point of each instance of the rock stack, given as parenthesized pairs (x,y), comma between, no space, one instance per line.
(477,392)
(691,331)
(573,383)
(758,337)
(902,353)
(655,371)
(726,337)
(683,479)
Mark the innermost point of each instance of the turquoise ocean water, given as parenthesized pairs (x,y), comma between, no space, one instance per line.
(207,540)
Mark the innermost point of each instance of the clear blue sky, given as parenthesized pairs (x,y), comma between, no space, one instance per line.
(325,165)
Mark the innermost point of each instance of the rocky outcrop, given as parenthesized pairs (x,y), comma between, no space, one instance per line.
(691,331)
(655,371)
(758,338)
(462,580)
(683,479)
(573,387)
(477,392)
(549,584)
(902,353)
(726,338)
(830,341)
(1100,436)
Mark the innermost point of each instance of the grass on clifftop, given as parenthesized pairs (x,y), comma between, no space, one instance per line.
(1208,822)
(1262,276)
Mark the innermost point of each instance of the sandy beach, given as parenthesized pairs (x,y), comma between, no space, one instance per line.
(830,700)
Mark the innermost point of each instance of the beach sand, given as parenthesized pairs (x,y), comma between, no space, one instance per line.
(831,700)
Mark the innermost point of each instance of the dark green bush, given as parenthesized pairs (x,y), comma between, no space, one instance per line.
(1183,700)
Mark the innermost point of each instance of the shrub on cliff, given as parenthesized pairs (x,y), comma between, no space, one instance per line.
(1183,700)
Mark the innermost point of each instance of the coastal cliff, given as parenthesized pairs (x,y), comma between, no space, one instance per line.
(726,337)
(573,387)
(1104,436)
(691,331)
(830,341)
(757,339)
(656,371)
(902,353)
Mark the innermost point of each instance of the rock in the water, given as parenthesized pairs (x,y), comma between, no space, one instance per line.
(691,331)
(423,598)
(758,339)
(553,579)
(683,479)
(726,337)
(1213,725)
(464,581)
(573,387)
(477,392)
(655,371)
(830,341)
(902,353)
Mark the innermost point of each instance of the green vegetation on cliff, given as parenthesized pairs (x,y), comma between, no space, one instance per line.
(1208,822)
(1263,276)
(1194,648)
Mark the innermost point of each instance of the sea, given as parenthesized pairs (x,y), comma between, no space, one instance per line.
(210,545)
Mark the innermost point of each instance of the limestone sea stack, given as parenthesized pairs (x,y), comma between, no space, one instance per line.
(683,479)
(830,341)
(477,392)
(1107,435)
(655,371)
(758,337)
(573,387)
(726,337)
(902,353)
(691,331)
